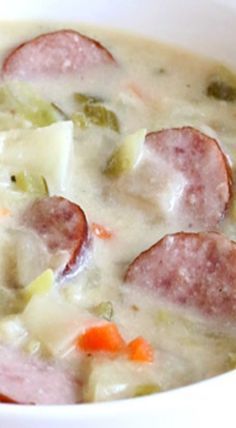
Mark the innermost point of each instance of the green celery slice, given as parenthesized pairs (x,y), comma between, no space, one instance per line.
(24,100)
(85,98)
(30,183)
(101,116)
(146,389)
(80,120)
(222,85)
(104,310)
(127,156)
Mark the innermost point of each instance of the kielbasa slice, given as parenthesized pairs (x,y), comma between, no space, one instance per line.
(195,270)
(53,54)
(206,172)
(62,225)
(30,380)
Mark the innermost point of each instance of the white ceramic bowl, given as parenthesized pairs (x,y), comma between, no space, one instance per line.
(204,26)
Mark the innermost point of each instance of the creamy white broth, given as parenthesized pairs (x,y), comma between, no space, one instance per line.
(155,87)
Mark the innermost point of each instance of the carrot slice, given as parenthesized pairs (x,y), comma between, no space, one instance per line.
(103,338)
(137,90)
(140,350)
(101,231)
(5,212)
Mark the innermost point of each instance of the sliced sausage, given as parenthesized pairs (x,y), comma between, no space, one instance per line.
(196,270)
(29,380)
(58,53)
(62,226)
(205,169)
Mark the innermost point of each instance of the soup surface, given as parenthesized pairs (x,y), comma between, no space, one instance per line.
(117,215)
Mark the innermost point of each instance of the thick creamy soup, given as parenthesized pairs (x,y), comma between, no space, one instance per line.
(117,216)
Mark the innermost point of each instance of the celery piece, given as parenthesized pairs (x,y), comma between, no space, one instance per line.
(41,151)
(30,183)
(85,98)
(80,120)
(104,310)
(25,101)
(221,91)
(165,317)
(10,120)
(101,116)
(222,85)
(232,360)
(40,285)
(146,389)
(127,156)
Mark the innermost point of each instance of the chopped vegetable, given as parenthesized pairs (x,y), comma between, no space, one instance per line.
(232,360)
(104,338)
(139,350)
(5,212)
(55,323)
(135,89)
(94,113)
(85,98)
(10,120)
(43,151)
(127,156)
(166,317)
(222,85)
(80,120)
(101,231)
(41,285)
(115,378)
(12,330)
(60,111)
(30,183)
(104,310)
(101,116)
(31,257)
(24,100)
(146,389)
(221,91)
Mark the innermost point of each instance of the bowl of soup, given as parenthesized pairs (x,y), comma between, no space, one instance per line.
(117,213)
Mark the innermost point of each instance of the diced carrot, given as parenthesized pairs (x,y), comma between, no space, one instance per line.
(5,212)
(101,231)
(139,93)
(103,338)
(140,350)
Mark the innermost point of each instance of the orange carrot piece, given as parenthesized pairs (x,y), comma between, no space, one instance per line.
(140,350)
(101,231)
(139,92)
(103,338)
(5,212)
